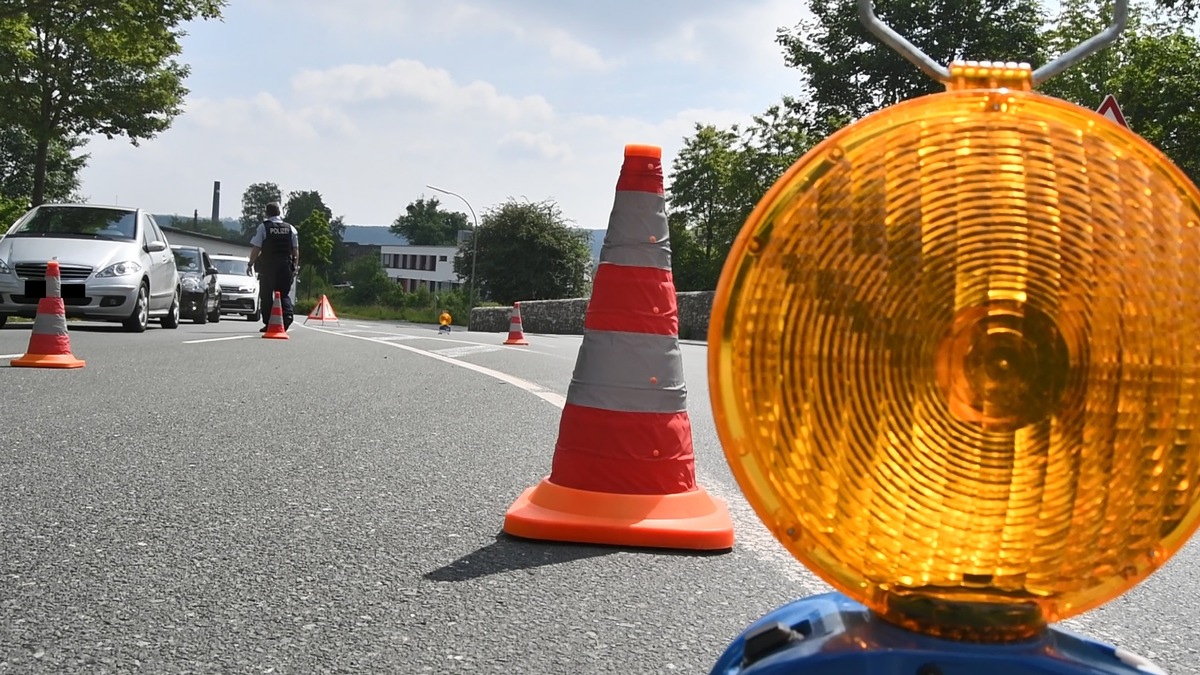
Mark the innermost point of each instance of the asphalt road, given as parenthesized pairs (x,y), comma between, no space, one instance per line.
(201,500)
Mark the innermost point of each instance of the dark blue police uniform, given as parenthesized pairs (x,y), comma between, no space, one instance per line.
(276,269)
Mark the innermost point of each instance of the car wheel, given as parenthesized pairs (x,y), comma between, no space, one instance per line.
(136,323)
(215,316)
(3,320)
(251,317)
(171,320)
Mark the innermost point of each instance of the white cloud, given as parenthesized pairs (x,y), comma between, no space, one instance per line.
(527,144)
(412,103)
(406,79)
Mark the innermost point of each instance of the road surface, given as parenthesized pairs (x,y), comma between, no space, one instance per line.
(202,500)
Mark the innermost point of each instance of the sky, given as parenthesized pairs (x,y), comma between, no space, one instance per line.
(369,101)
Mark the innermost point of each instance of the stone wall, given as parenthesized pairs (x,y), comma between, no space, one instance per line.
(565,317)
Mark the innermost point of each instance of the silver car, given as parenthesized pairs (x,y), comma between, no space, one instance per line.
(115,264)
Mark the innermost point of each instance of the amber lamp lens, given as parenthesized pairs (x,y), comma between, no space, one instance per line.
(954,357)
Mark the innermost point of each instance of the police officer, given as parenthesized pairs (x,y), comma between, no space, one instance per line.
(275,254)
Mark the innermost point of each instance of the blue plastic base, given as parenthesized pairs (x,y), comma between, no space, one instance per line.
(831,634)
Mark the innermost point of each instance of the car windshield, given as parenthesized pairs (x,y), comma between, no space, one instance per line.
(187,260)
(230,266)
(78,221)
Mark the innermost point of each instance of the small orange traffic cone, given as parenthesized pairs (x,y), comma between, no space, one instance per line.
(623,471)
(516,332)
(322,312)
(275,329)
(49,344)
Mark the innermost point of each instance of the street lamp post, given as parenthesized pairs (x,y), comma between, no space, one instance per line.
(474,245)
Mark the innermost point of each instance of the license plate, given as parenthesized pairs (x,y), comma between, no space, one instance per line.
(36,288)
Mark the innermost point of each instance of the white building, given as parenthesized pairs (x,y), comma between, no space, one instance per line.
(414,267)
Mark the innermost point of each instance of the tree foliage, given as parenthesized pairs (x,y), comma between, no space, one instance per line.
(18,154)
(526,251)
(848,73)
(370,280)
(718,178)
(424,223)
(73,68)
(1153,70)
(254,205)
(302,203)
(316,241)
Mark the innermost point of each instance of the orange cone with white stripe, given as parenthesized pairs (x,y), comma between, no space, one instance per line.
(516,332)
(49,343)
(275,329)
(623,471)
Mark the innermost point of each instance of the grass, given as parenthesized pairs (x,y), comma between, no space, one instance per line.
(377,312)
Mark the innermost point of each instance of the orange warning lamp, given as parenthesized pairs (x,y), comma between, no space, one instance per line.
(955,359)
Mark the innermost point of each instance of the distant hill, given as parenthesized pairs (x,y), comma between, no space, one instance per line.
(372,235)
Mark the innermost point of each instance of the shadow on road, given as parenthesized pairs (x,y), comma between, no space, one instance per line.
(510,553)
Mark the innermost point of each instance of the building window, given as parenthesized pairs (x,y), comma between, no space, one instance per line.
(442,258)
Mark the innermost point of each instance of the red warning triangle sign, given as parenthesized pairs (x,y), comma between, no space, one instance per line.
(1109,108)
(323,312)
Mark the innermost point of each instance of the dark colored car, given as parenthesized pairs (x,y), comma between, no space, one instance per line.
(201,299)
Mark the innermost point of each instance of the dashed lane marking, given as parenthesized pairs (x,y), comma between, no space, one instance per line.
(455,352)
(220,339)
(531,387)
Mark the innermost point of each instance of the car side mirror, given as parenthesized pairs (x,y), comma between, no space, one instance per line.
(156,246)
(212,270)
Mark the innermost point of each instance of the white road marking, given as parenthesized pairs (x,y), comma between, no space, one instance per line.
(455,352)
(525,385)
(10,356)
(220,339)
(750,532)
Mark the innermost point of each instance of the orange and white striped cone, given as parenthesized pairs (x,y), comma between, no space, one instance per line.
(275,329)
(623,471)
(516,332)
(49,343)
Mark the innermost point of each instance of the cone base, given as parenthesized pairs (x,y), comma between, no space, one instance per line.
(689,520)
(276,336)
(47,361)
(516,341)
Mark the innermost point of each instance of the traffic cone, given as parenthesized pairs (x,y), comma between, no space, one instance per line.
(623,471)
(516,333)
(49,344)
(275,328)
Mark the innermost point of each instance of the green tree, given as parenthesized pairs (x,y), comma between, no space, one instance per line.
(340,255)
(849,73)
(1153,70)
(717,179)
(10,210)
(527,251)
(424,223)
(254,205)
(301,203)
(18,153)
(369,279)
(701,185)
(316,242)
(72,68)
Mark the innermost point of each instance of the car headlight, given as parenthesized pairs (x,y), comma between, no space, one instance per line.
(193,284)
(245,289)
(4,268)
(120,269)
